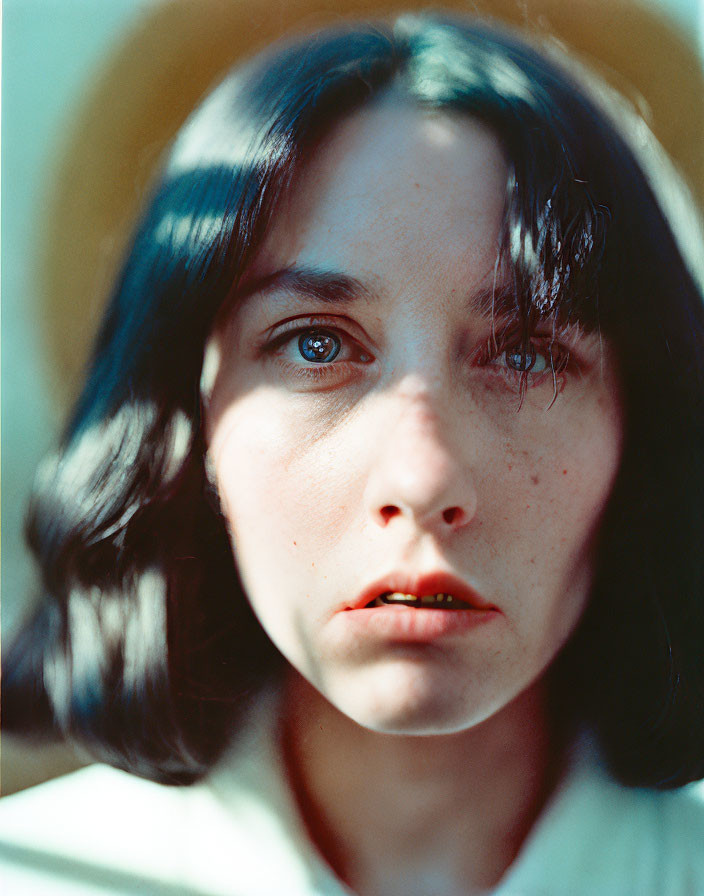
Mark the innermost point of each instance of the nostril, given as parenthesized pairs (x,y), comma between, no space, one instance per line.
(452,515)
(389,511)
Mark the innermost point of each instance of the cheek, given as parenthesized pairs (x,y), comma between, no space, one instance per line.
(553,493)
(286,499)
(560,465)
(281,476)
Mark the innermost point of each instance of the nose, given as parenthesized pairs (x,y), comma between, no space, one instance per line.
(420,471)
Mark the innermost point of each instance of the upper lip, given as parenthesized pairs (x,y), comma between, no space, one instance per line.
(418,585)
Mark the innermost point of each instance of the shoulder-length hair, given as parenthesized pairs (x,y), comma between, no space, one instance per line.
(144,647)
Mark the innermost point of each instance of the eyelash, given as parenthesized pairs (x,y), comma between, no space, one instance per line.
(557,358)
(315,372)
(556,354)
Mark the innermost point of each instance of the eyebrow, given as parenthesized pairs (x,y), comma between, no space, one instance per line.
(338,288)
(330,287)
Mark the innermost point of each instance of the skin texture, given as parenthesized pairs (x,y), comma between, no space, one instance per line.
(408,452)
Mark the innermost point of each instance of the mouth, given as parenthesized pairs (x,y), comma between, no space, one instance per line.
(429,591)
(416,609)
(438,601)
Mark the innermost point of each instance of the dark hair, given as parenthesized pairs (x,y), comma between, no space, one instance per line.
(144,647)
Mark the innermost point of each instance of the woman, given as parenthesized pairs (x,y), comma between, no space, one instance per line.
(387,462)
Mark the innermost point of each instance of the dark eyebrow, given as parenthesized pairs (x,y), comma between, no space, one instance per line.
(332,287)
(337,288)
(496,302)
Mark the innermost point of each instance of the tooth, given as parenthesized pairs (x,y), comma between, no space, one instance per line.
(440,598)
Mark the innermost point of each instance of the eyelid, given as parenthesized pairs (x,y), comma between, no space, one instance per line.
(284,332)
(558,356)
(297,323)
(560,339)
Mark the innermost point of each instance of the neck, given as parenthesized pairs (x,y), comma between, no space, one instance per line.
(418,815)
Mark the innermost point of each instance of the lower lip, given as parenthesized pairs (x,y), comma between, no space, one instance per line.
(409,625)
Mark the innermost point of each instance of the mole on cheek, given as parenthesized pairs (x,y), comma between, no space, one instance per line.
(535,479)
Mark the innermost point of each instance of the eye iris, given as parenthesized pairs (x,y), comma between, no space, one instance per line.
(520,360)
(318,346)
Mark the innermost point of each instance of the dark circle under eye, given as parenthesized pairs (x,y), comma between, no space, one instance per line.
(519,359)
(319,346)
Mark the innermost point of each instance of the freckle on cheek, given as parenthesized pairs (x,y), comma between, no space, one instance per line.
(534,479)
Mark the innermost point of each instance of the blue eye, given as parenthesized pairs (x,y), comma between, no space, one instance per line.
(319,346)
(520,360)
(525,360)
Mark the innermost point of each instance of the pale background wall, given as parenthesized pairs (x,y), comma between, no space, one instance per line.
(51,47)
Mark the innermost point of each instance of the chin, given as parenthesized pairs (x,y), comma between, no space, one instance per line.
(405,700)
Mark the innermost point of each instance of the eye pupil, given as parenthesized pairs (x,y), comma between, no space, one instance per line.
(318,346)
(520,359)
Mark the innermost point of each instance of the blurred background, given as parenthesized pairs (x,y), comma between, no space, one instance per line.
(72,68)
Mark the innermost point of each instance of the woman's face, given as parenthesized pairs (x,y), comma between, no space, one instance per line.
(365,434)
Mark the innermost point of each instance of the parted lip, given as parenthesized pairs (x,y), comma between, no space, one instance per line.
(420,584)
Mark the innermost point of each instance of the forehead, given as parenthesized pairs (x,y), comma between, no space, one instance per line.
(394,188)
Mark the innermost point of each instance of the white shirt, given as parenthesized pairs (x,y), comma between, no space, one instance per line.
(237,833)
